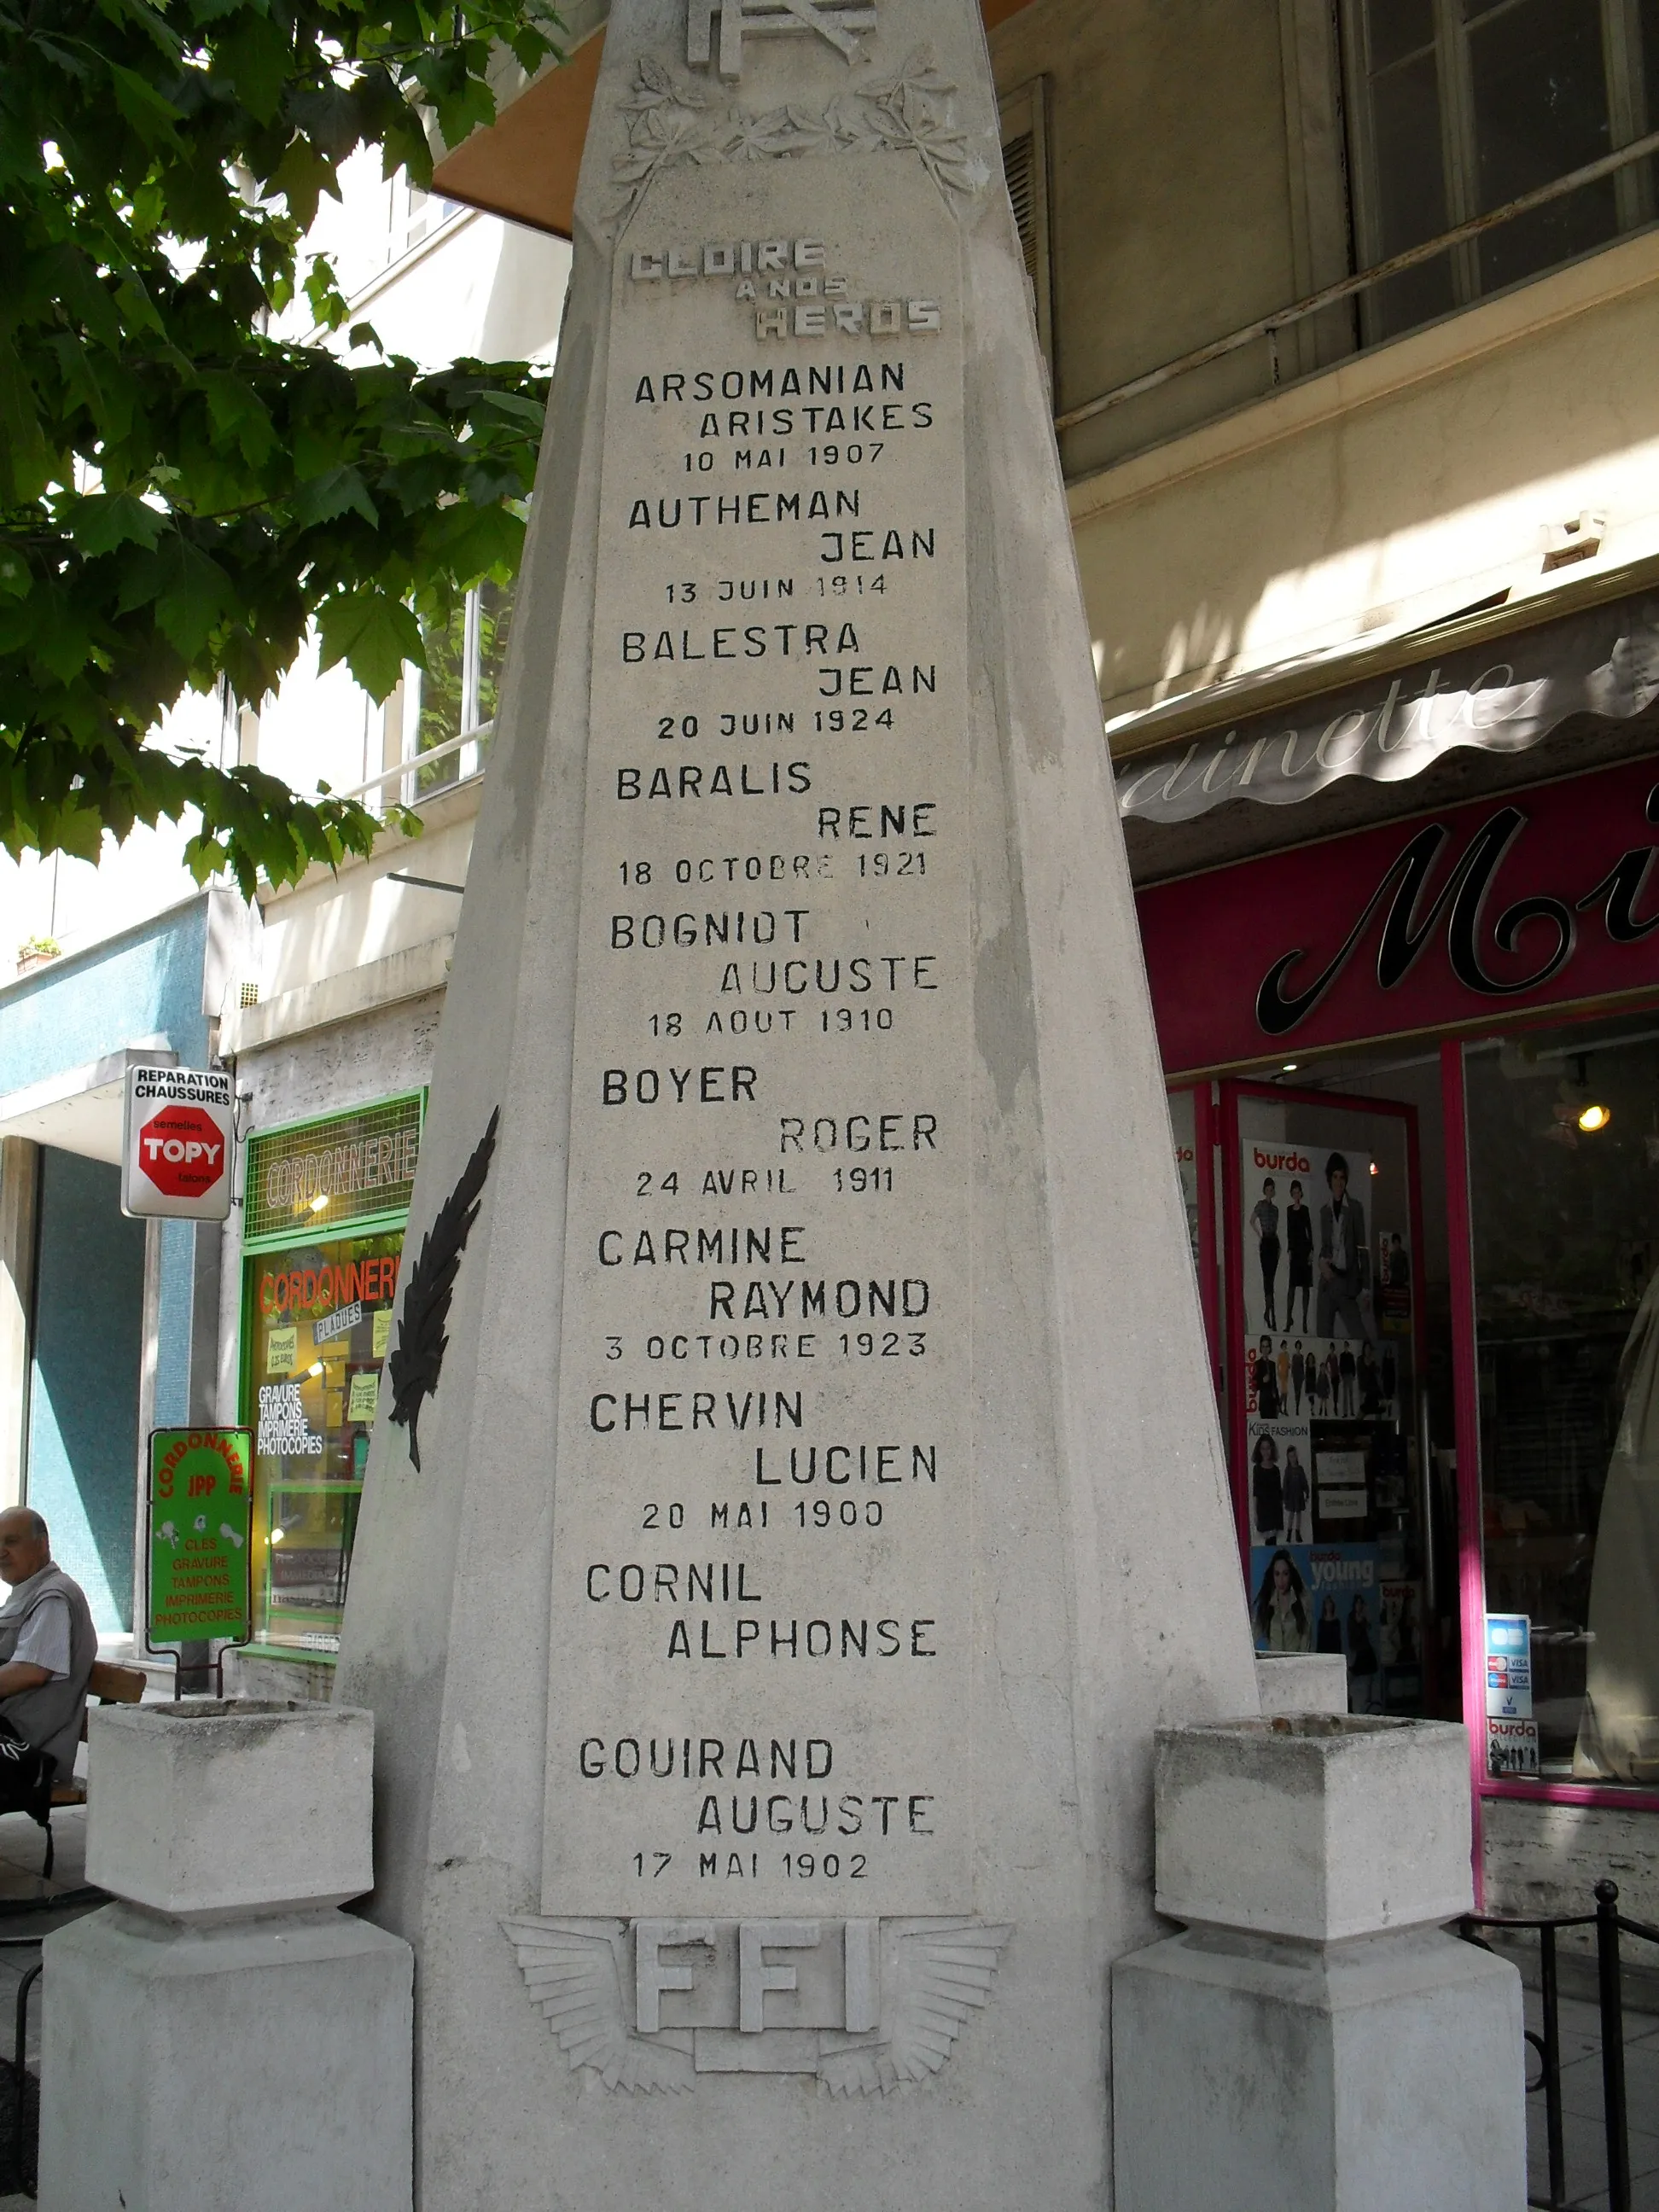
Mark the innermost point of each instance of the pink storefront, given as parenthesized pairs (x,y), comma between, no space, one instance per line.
(1403,943)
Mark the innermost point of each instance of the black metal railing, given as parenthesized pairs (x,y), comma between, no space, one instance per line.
(1609,1924)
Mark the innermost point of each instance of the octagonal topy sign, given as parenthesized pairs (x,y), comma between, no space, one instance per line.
(178,1146)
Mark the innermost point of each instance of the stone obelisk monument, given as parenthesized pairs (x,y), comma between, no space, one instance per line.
(819,1498)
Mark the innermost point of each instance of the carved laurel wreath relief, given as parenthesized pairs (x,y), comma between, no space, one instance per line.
(918,1981)
(670,122)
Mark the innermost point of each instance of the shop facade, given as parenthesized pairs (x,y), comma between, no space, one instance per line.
(325,1203)
(1402,937)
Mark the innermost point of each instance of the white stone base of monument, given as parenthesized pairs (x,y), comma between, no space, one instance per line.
(1316,2038)
(220,2038)
(1291,1682)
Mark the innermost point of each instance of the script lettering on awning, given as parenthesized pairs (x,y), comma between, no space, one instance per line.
(1497,698)
(1411,913)
(1453,918)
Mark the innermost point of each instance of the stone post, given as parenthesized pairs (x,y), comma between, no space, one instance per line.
(1316,2036)
(222,2036)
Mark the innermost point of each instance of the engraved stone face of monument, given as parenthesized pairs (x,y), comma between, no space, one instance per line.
(819,1500)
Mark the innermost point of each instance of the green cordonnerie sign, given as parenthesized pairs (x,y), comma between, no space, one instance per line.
(200,1518)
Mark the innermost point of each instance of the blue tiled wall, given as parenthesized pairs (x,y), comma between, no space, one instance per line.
(84,1390)
(147,983)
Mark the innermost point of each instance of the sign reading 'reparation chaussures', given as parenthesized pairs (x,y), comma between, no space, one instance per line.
(199,1518)
(179,1143)
(762,1596)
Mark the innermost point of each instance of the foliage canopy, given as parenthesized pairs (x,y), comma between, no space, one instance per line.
(182,494)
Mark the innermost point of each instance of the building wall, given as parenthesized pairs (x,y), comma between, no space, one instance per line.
(1546,1859)
(1171,198)
(334,922)
(147,983)
(1392,491)
(84,1380)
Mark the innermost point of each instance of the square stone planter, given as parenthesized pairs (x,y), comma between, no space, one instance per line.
(1312,1825)
(208,1809)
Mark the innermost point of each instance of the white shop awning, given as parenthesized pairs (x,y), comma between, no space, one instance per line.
(1500,693)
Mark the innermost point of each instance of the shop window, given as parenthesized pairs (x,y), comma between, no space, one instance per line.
(326,1205)
(1025,165)
(314,1372)
(1457,107)
(1564,1189)
(455,696)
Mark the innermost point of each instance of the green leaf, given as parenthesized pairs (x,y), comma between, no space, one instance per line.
(513,406)
(338,491)
(150,115)
(479,541)
(195,593)
(238,412)
(104,520)
(79,832)
(58,639)
(258,60)
(302,176)
(373,633)
(25,457)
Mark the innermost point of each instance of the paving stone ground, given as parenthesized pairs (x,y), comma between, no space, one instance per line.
(1581,2098)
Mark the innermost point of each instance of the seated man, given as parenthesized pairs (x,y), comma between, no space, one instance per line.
(47,1645)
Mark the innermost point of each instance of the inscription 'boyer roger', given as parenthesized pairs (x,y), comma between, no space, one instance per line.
(833,1601)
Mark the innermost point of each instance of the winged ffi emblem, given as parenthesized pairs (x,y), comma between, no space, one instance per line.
(574,1970)
(935,1975)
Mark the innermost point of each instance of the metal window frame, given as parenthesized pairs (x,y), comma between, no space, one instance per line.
(467,741)
(1024,112)
(1627,121)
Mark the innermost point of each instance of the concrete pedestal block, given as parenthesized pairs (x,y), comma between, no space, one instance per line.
(1312,1825)
(252,2066)
(1316,2038)
(220,2039)
(1352,2077)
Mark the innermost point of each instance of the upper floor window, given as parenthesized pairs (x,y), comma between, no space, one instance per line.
(454,696)
(1458,106)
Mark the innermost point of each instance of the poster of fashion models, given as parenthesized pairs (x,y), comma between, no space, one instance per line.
(1280,1481)
(1307,1261)
(1327,1598)
(1392,1268)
